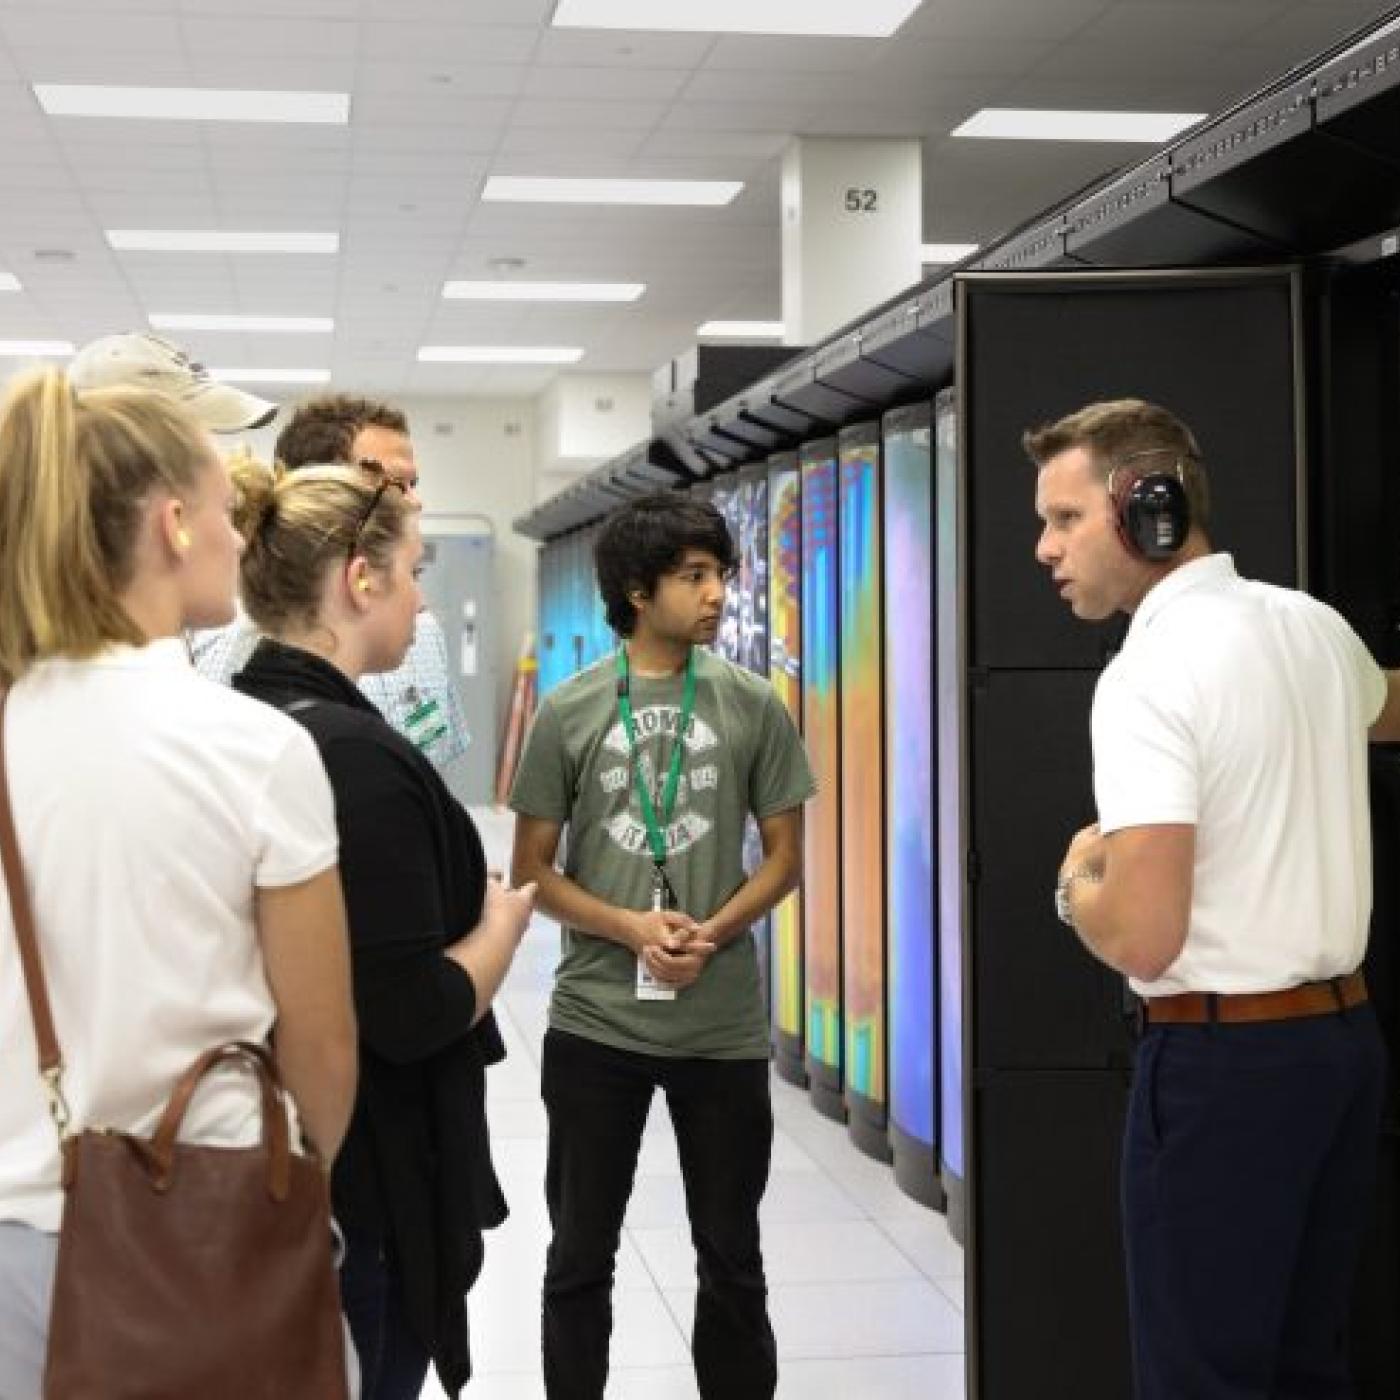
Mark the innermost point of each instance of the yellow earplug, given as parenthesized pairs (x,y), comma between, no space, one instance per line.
(363,585)
(182,538)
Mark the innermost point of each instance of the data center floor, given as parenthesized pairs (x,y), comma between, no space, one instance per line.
(866,1286)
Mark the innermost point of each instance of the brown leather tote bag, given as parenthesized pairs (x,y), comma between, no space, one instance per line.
(185,1272)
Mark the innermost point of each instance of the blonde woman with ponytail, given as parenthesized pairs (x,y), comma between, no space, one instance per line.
(178,840)
(330,579)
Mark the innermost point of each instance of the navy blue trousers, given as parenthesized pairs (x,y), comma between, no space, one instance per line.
(1248,1173)
(393,1362)
(597,1099)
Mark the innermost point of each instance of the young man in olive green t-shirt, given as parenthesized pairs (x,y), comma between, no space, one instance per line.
(654,760)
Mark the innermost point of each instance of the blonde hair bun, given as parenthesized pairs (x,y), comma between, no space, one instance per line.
(255,492)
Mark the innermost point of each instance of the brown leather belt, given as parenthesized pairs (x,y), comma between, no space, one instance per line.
(1309,999)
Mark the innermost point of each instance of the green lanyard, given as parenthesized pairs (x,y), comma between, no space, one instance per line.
(656,835)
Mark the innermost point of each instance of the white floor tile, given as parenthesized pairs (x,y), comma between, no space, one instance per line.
(644,1331)
(652,1383)
(517,1118)
(812,1252)
(657,1200)
(904,1318)
(874,1378)
(925,1240)
(832,1320)
(803,1197)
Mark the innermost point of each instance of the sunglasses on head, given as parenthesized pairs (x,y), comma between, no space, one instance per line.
(385,482)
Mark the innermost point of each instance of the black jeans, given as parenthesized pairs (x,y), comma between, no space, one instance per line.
(597,1100)
(393,1362)
(1248,1173)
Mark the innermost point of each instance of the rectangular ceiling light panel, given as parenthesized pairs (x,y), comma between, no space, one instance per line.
(35,349)
(1038,124)
(931,254)
(9,282)
(499,354)
(519,189)
(543,291)
(741,330)
(214,240)
(179,321)
(193,104)
(253,375)
(857,19)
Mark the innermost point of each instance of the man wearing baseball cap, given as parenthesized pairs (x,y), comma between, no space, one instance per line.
(141,359)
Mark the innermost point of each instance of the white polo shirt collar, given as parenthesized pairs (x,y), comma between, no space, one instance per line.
(1214,571)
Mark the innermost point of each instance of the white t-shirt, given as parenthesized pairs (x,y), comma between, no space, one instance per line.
(1242,709)
(149,804)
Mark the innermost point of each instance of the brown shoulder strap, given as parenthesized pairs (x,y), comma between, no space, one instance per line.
(50,1059)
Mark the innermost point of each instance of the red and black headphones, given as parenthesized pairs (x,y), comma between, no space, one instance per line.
(1152,509)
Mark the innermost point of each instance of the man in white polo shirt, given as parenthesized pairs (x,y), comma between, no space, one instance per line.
(1229,878)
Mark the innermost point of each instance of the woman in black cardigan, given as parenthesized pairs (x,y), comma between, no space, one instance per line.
(329,577)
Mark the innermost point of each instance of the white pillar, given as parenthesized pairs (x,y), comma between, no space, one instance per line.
(852,229)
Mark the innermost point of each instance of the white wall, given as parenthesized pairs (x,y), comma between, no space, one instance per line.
(583,420)
(476,457)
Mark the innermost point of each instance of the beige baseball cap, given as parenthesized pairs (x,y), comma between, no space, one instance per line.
(140,358)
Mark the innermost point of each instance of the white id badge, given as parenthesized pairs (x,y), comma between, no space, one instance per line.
(648,988)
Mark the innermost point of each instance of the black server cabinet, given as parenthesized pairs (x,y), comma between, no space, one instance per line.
(1046,1041)
(1356,507)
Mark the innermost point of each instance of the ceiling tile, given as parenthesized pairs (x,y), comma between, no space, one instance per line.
(1089,60)
(30,32)
(482,12)
(461,80)
(313,38)
(446,91)
(453,43)
(743,145)
(748,116)
(416,141)
(934,59)
(436,107)
(597,48)
(1002,19)
(602,116)
(763,54)
(301,9)
(66,64)
(211,67)
(550,143)
(1176,21)
(606,84)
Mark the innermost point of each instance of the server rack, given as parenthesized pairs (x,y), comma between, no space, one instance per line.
(821,727)
(911,789)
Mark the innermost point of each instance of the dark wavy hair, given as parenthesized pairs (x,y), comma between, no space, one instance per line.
(648,537)
(324,429)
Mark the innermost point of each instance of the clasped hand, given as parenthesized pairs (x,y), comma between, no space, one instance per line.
(672,946)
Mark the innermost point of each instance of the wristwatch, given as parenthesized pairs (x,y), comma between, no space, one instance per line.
(1062,906)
